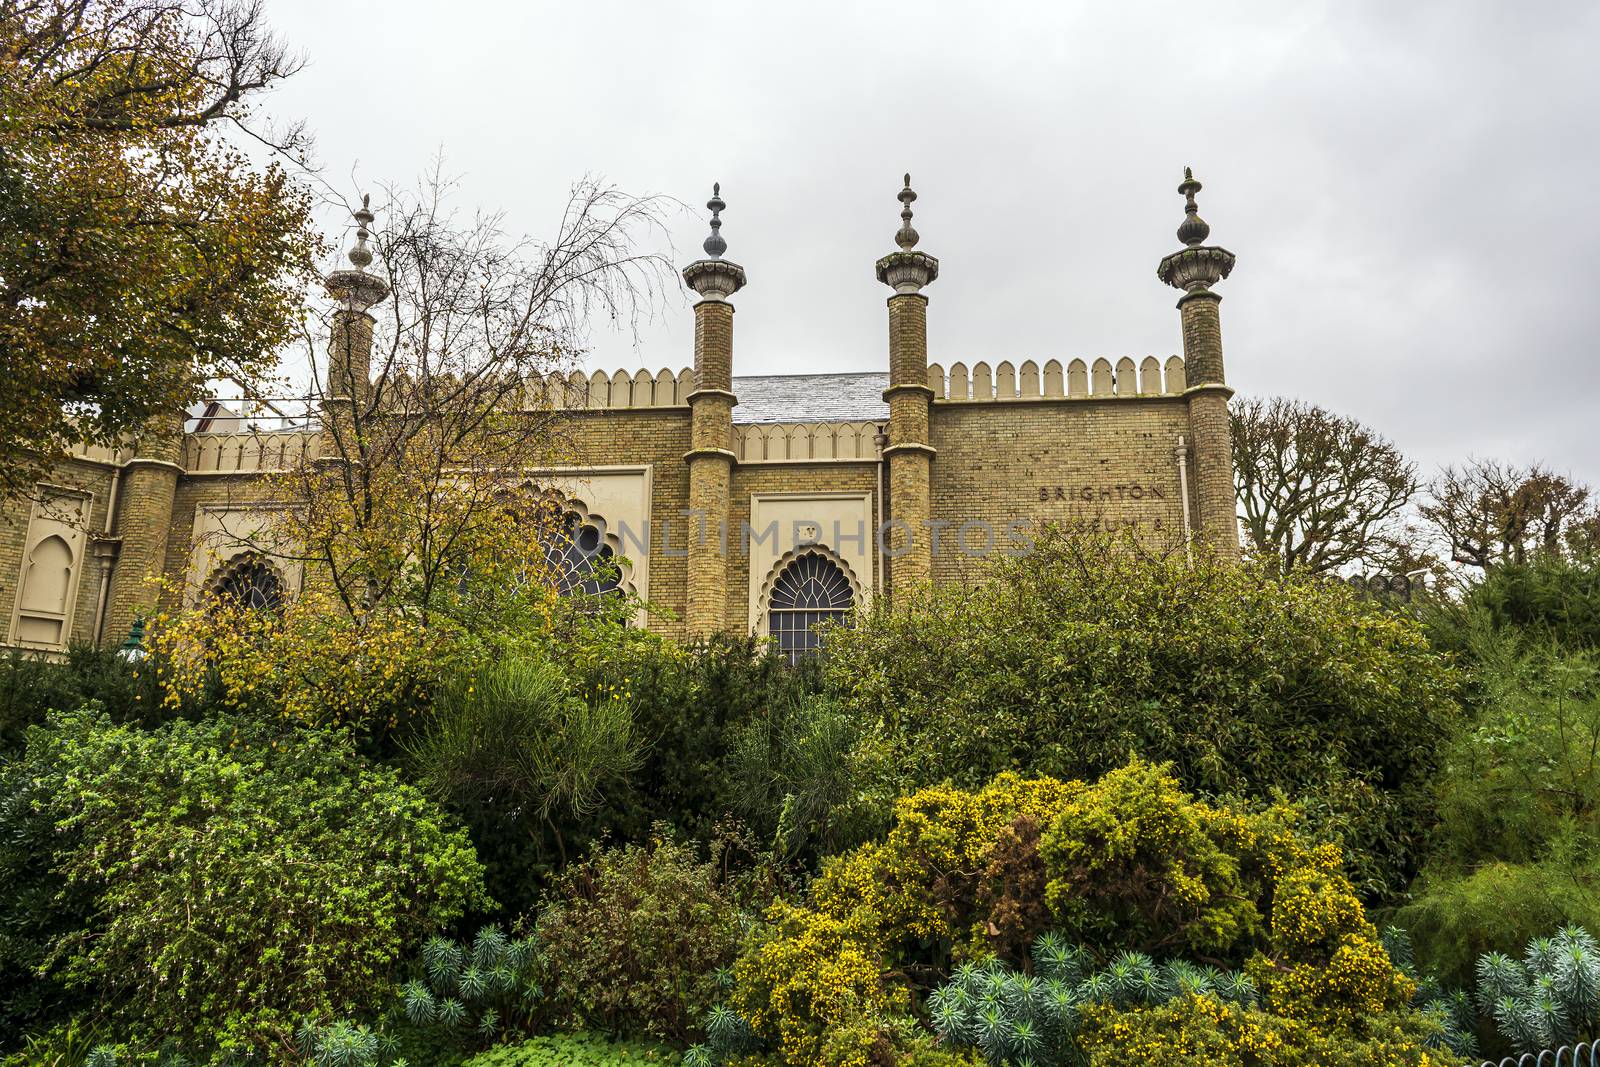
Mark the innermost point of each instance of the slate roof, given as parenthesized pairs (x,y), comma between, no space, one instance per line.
(811,398)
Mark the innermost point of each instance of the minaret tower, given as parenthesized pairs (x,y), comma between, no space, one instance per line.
(710,456)
(910,456)
(354,291)
(1194,269)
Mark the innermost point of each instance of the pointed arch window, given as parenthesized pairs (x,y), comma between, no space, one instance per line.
(579,559)
(45,603)
(249,581)
(46,587)
(810,591)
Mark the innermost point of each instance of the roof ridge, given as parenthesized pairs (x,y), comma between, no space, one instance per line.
(821,374)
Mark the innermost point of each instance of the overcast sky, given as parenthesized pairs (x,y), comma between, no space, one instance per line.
(1411,188)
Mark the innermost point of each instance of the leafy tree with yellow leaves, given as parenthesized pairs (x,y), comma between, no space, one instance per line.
(140,252)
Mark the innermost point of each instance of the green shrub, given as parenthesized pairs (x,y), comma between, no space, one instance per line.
(1497,907)
(1516,850)
(633,938)
(792,773)
(698,719)
(695,705)
(36,909)
(515,749)
(243,877)
(1550,597)
(513,733)
(1548,998)
(31,687)
(885,918)
(1065,662)
(574,1050)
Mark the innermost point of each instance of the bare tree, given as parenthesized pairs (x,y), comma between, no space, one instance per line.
(1317,490)
(1490,512)
(425,456)
(116,66)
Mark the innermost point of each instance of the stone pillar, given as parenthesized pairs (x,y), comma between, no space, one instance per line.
(1194,270)
(149,487)
(710,456)
(350,343)
(908,538)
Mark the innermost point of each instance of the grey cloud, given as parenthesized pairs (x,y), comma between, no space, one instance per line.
(1409,187)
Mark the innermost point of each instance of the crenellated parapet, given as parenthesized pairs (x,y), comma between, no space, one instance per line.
(249,452)
(640,389)
(1077,381)
(806,442)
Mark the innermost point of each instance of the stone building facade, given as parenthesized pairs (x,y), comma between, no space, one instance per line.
(735,503)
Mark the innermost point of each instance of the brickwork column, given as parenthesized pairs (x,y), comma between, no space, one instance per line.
(149,487)
(710,456)
(909,510)
(1194,270)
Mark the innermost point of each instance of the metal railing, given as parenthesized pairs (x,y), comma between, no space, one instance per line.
(1583,1054)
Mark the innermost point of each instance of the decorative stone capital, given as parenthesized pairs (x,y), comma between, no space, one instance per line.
(907,387)
(355,289)
(1195,269)
(714,279)
(907,272)
(1199,266)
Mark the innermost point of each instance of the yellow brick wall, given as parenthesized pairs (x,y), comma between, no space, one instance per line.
(996,459)
(14,515)
(993,462)
(839,477)
(658,438)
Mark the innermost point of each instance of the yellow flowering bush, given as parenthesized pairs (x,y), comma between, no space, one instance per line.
(1136,862)
(1201,1031)
(920,882)
(1129,861)
(1328,967)
(309,664)
(810,974)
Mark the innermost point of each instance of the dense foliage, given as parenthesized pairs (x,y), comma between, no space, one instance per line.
(1516,848)
(140,253)
(31,688)
(633,938)
(574,1050)
(1066,661)
(1241,886)
(1549,597)
(242,877)
(859,862)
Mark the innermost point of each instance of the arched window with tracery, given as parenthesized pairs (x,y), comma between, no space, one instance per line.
(580,561)
(811,590)
(248,581)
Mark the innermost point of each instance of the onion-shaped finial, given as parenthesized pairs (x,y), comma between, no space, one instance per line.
(715,245)
(907,236)
(360,254)
(1193,230)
